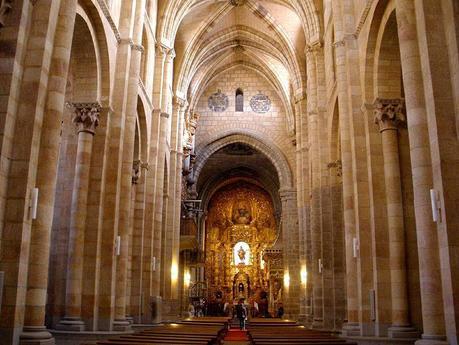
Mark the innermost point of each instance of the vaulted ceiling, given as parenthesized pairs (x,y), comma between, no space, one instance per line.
(212,36)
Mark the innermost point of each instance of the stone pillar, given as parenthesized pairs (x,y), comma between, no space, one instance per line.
(421,164)
(352,326)
(389,116)
(20,150)
(120,322)
(138,238)
(34,330)
(315,211)
(302,174)
(86,120)
(291,259)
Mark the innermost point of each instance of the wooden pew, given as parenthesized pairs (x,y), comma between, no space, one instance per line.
(179,334)
(262,333)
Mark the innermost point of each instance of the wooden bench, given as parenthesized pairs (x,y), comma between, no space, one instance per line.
(179,334)
(263,333)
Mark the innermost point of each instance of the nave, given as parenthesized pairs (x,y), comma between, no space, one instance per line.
(166,159)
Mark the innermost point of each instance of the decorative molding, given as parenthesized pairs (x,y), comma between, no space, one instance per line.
(106,11)
(137,47)
(86,116)
(363,17)
(6,7)
(389,113)
(144,91)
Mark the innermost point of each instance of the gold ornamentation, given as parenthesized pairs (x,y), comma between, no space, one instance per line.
(240,212)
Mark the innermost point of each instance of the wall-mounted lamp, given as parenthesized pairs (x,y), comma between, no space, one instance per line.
(355,247)
(304,275)
(153,264)
(33,203)
(174,272)
(436,209)
(118,246)
(286,280)
(186,278)
(321,266)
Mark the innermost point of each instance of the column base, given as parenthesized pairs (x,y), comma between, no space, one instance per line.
(351,329)
(402,332)
(121,325)
(156,309)
(427,339)
(130,319)
(36,335)
(73,324)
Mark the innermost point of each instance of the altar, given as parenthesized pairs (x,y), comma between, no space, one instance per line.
(240,226)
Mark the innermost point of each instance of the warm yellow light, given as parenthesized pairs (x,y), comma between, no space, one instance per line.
(187,278)
(304,275)
(174,324)
(174,272)
(286,280)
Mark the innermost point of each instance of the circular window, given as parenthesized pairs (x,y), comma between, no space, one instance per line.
(218,101)
(260,103)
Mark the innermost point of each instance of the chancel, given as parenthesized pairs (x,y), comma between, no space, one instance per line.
(229,172)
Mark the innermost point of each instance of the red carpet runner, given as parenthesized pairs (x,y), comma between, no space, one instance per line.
(235,334)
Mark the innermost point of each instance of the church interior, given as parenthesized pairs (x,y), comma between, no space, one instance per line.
(163,161)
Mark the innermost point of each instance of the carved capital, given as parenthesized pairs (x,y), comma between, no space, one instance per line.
(86,116)
(5,8)
(389,113)
(170,55)
(336,165)
(181,102)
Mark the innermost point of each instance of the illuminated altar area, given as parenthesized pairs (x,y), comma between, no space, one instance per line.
(240,226)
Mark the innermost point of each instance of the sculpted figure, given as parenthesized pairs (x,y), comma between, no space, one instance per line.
(241,213)
(241,254)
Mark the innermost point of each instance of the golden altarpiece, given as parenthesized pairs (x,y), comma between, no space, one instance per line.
(240,228)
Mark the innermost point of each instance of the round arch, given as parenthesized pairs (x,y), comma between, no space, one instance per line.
(253,140)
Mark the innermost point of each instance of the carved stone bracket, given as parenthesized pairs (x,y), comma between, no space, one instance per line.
(136,172)
(5,8)
(86,116)
(389,113)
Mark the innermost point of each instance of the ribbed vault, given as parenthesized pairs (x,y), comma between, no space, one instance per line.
(267,36)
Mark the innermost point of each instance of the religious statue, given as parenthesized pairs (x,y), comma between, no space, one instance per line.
(241,254)
(241,213)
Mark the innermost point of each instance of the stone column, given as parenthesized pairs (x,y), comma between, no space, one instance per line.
(421,165)
(138,238)
(291,253)
(121,323)
(86,120)
(389,116)
(314,154)
(20,150)
(302,178)
(34,330)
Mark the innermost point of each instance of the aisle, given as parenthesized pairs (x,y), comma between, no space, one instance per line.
(236,337)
